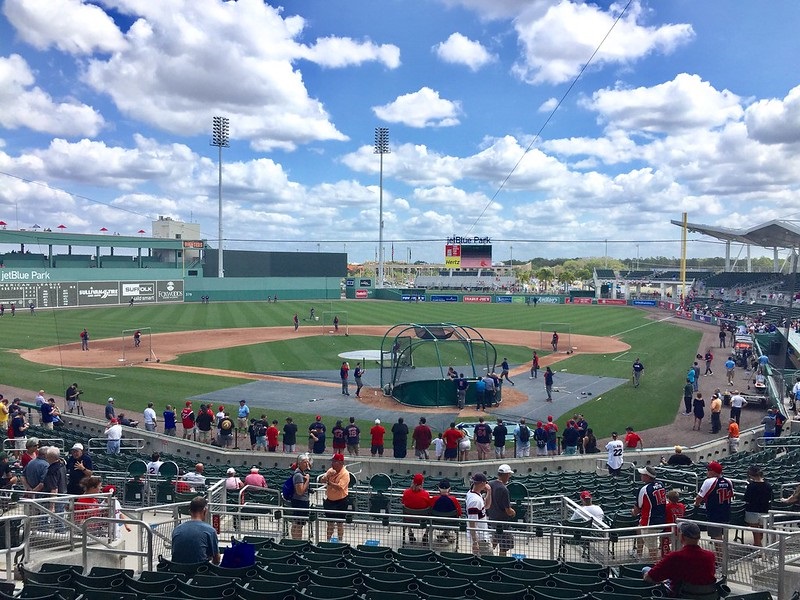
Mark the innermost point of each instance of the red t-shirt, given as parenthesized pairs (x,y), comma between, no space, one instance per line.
(85,508)
(187,418)
(26,458)
(377,433)
(451,438)
(632,440)
(675,510)
(416,499)
(272,435)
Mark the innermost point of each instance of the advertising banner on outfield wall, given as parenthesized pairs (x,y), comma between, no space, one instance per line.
(414,298)
(144,291)
(477,298)
(444,298)
(578,300)
(643,302)
(361,294)
(170,291)
(94,293)
(549,299)
(615,301)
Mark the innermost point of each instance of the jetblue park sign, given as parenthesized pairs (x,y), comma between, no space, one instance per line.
(468,240)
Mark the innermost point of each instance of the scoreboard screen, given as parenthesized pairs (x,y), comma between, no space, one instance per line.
(458,256)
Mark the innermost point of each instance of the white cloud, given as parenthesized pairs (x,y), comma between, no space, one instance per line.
(686,102)
(548,105)
(26,105)
(187,60)
(460,50)
(555,46)
(773,121)
(69,25)
(423,108)
(344,52)
(499,9)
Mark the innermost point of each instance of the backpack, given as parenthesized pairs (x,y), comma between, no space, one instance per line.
(524,434)
(287,490)
(261,430)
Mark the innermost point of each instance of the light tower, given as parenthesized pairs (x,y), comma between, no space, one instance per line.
(381,147)
(219,138)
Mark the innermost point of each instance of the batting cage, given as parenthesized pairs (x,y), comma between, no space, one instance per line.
(420,356)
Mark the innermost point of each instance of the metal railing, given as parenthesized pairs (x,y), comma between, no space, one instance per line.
(126,444)
(86,536)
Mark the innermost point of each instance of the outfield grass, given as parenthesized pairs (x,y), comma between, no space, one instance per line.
(665,349)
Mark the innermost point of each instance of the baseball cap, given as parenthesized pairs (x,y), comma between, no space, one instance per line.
(254,469)
(586,494)
(77,446)
(338,456)
(377,421)
(549,417)
(539,423)
(444,484)
(629,428)
(114,421)
(651,471)
(110,399)
(188,403)
(231,471)
(418,479)
(479,477)
(41,391)
(715,467)
(505,469)
(690,530)
(318,418)
(242,401)
(109,488)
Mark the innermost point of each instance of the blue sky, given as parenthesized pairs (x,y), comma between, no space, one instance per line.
(106,109)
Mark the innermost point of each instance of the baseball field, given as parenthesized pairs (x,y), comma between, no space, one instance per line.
(194,349)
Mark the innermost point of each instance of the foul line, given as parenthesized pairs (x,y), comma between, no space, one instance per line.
(102,375)
(643,325)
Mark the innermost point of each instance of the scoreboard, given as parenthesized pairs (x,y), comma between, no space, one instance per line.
(43,295)
(459,253)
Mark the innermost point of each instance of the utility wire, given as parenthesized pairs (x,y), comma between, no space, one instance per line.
(551,115)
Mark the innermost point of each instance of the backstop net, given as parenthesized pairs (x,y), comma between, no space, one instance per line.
(334,322)
(564,331)
(419,357)
(137,345)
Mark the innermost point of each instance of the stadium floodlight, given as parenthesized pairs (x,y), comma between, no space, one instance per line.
(381,147)
(220,139)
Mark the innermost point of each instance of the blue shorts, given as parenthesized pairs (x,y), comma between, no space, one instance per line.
(551,445)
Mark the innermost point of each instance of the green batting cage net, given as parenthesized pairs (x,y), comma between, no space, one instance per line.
(418,356)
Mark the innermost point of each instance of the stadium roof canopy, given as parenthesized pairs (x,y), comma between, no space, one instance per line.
(772,234)
(58,238)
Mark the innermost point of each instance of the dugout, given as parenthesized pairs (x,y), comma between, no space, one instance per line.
(419,354)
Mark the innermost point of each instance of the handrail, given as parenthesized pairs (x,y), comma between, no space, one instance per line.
(108,550)
(6,522)
(11,443)
(124,443)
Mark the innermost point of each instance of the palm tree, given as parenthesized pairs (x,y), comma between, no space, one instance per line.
(545,276)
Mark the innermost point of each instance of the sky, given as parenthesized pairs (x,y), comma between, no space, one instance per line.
(555,128)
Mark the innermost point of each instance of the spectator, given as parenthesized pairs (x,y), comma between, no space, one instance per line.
(615,451)
(195,540)
(422,438)
(316,436)
(691,571)
(154,466)
(226,427)
(196,479)
(109,411)
(443,504)
(757,498)
(416,498)
(289,436)
(169,421)
(483,438)
(570,439)
(587,510)
(451,437)
(377,433)
(716,493)
(187,420)
(232,482)
(255,478)
(272,436)
(399,438)
(737,403)
(7,478)
(113,436)
(590,442)
(651,508)
(499,434)
(352,437)
(88,505)
(478,500)
(35,471)
(733,436)
(300,500)
(242,415)
(150,419)
(79,467)
(632,439)
(31,451)
(500,509)
(522,438)
(337,489)
(678,459)
(204,422)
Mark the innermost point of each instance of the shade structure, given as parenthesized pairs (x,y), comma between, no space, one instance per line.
(62,226)
(103,229)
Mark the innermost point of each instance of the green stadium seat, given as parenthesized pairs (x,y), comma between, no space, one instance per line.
(324,592)
(259,589)
(525,577)
(237,573)
(499,590)
(336,576)
(386,581)
(471,572)
(278,572)
(586,583)
(168,587)
(443,586)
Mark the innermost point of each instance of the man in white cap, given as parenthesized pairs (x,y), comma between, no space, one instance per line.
(255,479)
(110,412)
(651,508)
(500,508)
(79,466)
(376,433)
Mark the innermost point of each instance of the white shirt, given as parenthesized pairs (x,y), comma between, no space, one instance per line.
(615,449)
(114,432)
(738,401)
(154,466)
(149,416)
(39,400)
(796,390)
(584,512)
(474,505)
(194,477)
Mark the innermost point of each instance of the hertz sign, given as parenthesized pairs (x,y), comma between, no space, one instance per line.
(194,244)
